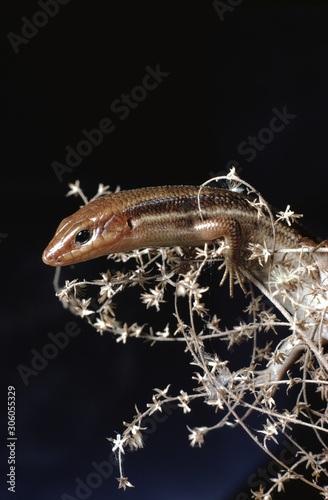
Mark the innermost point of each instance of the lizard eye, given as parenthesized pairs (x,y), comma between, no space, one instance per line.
(82,236)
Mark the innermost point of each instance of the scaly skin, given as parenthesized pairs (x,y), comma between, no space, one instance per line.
(164,217)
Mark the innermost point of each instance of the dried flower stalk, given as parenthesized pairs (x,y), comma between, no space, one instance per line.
(286,323)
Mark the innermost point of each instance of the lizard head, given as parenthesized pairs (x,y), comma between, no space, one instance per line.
(93,231)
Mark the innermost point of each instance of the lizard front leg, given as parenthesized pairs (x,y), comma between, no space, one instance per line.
(229,230)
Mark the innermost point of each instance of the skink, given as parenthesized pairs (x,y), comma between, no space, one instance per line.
(168,216)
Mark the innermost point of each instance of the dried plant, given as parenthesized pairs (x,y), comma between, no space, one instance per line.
(286,330)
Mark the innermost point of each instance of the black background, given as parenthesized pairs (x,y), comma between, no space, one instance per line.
(225,77)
